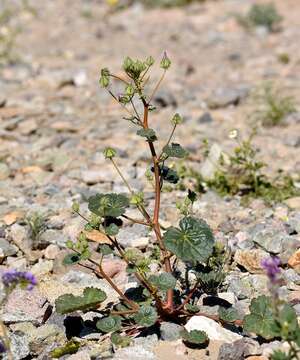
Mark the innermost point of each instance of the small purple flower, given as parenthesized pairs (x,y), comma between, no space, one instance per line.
(12,278)
(2,347)
(271,266)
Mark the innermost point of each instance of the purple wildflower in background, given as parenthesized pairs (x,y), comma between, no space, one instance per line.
(12,278)
(2,348)
(271,266)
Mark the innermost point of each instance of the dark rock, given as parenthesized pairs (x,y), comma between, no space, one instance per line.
(224,97)
(205,118)
(164,98)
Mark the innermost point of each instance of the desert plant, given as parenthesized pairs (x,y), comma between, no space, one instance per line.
(242,173)
(165,294)
(261,15)
(273,106)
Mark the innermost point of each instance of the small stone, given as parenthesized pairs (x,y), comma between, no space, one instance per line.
(51,252)
(80,355)
(228,296)
(134,353)
(294,261)
(164,98)
(7,248)
(91,177)
(206,118)
(24,306)
(213,330)
(293,203)
(224,97)
(2,101)
(251,259)
(20,237)
(51,236)
(170,331)
(4,171)
(41,268)
(19,346)
(210,165)
(12,217)
(28,126)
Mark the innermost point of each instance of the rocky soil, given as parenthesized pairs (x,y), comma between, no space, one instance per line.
(55,121)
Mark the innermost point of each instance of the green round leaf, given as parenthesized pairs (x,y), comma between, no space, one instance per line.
(104,79)
(261,318)
(195,337)
(109,324)
(146,316)
(164,281)
(175,150)
(105,249)
(109,153)
(104,205)
(112,230)
(90,299)
(193,242)
(177,119)
(228,315)
(149,134)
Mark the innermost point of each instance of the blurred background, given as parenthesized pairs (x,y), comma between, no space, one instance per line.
(235,65)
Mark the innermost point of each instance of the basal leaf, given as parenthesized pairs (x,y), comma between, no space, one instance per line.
(175,150)
(192,242)
(146,316)
(149,134)
(228,315)
(109,324)
(164,281)
(119,340)
(261,319)
(112,230)
(90,299)
(194,337)
(105,205)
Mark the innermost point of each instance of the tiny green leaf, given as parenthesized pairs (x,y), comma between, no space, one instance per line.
(109,153)
(149,61)
(90,299)
(71,347)
(194,337)
(163,281)
(104,79)
(175,150)
(112,230)
(146,316)
(177,119)
(165,62)
(104,205)
(228,315)
(71,259)
(169,175)
(192,308)
(261,319)
(129,90)
(75,206)
(149,134)
(105,249)
(109,324)
(119,340)
(192,242)
(137,198)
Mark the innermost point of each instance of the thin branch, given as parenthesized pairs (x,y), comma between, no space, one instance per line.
(168,142)
(157,86)
(136,221)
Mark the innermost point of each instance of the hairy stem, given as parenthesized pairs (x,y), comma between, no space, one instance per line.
(156,87)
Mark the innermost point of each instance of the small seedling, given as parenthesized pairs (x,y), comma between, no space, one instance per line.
(273,106)
(261,15)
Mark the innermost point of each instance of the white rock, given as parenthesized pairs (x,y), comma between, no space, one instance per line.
(211,163)
(213,330)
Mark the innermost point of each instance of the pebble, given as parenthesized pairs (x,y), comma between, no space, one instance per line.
(213,329)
